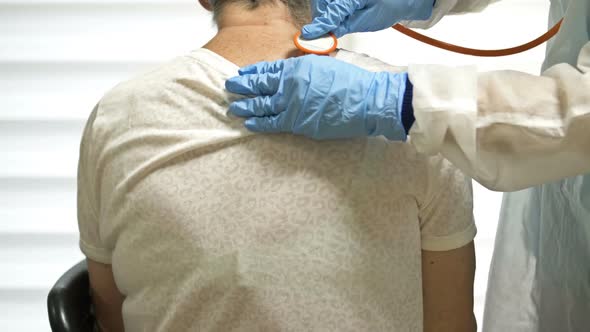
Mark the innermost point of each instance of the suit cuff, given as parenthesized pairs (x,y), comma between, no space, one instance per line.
(407,108)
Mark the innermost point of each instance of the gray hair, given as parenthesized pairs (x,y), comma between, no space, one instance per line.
(300,9)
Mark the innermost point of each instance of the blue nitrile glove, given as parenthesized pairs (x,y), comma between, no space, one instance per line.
(322,98)
(348,16)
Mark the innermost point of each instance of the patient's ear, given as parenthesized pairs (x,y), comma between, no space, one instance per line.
(206,4)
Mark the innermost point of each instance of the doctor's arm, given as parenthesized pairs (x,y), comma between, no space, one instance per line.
(449,7)
(344,17)
(506,129)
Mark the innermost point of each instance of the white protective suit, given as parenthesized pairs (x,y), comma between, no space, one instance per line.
(509,131)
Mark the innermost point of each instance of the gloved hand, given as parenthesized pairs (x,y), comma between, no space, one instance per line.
(348,16)
(320,97)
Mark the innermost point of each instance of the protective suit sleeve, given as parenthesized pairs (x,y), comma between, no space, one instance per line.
(506,129)
(446,7)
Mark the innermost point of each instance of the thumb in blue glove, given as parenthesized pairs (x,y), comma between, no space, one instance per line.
(347,16)
(321,98)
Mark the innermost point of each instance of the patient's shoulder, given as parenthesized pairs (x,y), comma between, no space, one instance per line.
(367,62)
(172,94)
(147,85)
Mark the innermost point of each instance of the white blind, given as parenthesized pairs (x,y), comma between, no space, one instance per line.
(57,58)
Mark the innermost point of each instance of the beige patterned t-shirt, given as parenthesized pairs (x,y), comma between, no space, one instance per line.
(209,227)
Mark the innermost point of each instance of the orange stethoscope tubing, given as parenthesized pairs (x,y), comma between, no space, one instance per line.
(477,52)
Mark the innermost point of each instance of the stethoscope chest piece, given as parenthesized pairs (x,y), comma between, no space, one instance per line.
(320,46)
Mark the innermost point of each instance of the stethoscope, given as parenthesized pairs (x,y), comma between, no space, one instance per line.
(328,43)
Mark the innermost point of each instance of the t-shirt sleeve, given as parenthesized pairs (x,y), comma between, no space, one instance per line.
(446,213)
(88,218)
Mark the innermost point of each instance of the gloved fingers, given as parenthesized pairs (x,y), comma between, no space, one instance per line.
(263,67)
(254,84)
(251,69)
(357,22)
(341,30)
(267,124)
(374,15)
(336,13)
(315,30)
(253,107)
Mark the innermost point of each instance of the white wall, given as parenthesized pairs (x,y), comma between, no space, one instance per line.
(57,57)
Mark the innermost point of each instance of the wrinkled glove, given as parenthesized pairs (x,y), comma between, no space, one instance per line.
(321,98)
(347,16)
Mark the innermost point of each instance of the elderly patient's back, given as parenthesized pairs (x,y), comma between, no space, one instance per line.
(209,227)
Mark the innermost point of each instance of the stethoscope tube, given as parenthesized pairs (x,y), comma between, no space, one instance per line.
(478,52)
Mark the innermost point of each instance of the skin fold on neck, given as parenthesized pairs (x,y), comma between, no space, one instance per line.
(264,34)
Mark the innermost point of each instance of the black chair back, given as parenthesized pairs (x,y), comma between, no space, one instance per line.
(69,303)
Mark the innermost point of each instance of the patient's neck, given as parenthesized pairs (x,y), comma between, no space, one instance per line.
(246,37)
